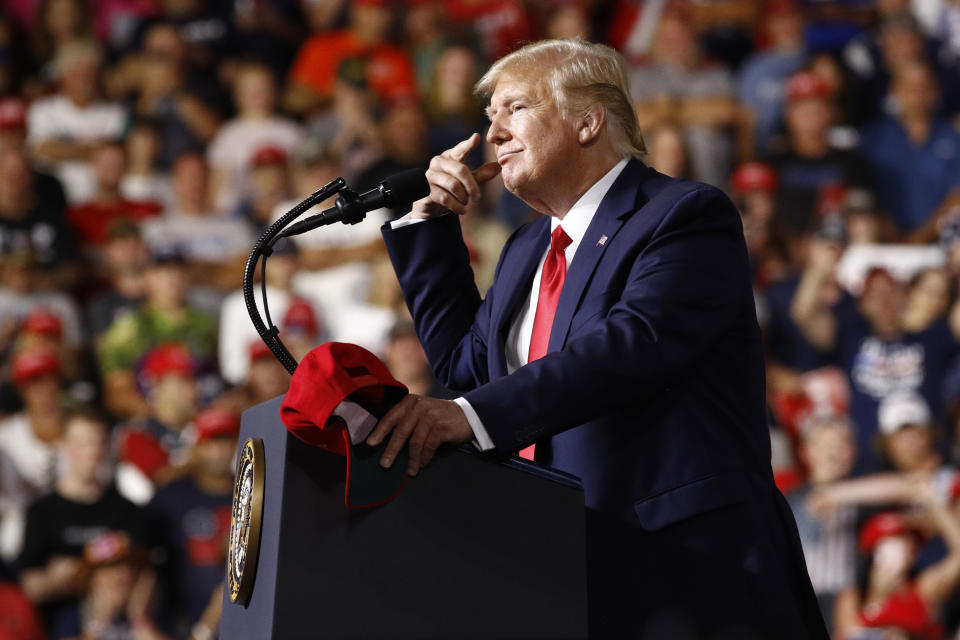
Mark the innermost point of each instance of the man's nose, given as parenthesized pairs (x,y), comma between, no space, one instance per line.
(497,133)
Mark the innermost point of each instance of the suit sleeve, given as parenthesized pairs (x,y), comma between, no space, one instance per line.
(687,287)
(452,321)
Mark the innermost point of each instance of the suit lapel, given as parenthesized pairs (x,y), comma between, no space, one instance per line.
(621,199)
(515,280)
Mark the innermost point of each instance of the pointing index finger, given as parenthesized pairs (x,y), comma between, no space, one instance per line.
(460,151)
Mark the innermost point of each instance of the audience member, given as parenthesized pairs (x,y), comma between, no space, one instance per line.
(679,84)
(827,451)
(871,344)
(124,259)
(91,220)
(30,438)
(809,166)
(214,246)
(255,127)
(115,598)
(154,449)
(914,154)
(64,128)
(164,316)
(82,506)
(195,514)
(143,181)
(888,594)
(32,210)
(764,75)
(387,68)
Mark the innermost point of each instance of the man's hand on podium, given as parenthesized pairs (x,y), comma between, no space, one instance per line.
(426,423)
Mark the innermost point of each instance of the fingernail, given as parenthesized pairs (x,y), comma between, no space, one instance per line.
(386,462)
(412,471)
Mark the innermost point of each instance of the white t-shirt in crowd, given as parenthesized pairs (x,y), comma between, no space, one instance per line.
(36,461)
(58,118)
(201,238)
(15,306)
(234,145)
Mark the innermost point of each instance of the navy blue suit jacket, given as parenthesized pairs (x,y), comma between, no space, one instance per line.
(652,390)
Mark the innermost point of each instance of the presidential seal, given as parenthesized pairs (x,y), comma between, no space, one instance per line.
(245,521)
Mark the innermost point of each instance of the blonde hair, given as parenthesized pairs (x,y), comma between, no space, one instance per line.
(579,75)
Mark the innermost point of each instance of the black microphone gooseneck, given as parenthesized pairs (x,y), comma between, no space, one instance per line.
(263,247)
(350,208)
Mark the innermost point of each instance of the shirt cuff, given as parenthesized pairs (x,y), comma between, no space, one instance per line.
(481,439)
(405,221)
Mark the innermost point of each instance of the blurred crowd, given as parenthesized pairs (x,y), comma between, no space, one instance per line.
(145,144)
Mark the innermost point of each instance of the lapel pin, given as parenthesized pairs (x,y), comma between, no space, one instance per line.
(602,241)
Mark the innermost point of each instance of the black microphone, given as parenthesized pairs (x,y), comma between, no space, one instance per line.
(400,189)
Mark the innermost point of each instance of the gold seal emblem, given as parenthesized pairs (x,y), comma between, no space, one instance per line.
(245,521)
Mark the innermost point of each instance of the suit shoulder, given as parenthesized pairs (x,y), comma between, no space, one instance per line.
(681,201)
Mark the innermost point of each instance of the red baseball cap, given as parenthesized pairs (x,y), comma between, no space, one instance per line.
(44,323)
(259,349)
(13,113)
(167,358)
(806,84)
(300,317)
(754,176)
(268,155)
(214,422)
(337,395)
(34,362)
(880,526)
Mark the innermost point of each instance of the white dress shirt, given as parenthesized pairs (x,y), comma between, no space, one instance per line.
(517,347)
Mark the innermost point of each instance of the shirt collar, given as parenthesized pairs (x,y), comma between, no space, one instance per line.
(577,220)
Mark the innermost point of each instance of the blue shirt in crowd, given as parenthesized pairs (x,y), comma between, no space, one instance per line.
(912,180)
(762,81)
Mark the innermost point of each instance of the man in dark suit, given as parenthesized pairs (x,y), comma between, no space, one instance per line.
(619,337)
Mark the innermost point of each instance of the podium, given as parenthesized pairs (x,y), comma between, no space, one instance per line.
(470,548)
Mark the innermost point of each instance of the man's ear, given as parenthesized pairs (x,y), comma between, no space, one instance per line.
(591,124)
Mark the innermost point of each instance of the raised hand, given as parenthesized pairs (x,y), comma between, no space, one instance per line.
(453,186)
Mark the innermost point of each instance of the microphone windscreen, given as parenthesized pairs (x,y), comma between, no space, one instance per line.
(407,186)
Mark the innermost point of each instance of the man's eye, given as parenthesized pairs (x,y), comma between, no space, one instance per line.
(516,107)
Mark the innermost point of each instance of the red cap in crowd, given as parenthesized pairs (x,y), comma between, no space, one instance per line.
(168,358)
(337,395)
(300,317)
(13,113)
(880,526)
(214,422)
(268,155)
(259,349)
(43,323)
(754,176)
(34,362)
(806,84)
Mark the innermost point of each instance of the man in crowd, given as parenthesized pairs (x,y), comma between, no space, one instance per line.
(827,451)
(164,316)
(810,164)
(64,128)
(83,505)
(153,449)
(869,341)
(91,220)
(194,514)
(214,246)
(617,364)
(914,154)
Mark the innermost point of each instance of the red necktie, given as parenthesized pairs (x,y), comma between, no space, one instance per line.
(551,284)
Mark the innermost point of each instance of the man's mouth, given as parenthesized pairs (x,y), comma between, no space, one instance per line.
(501,158)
